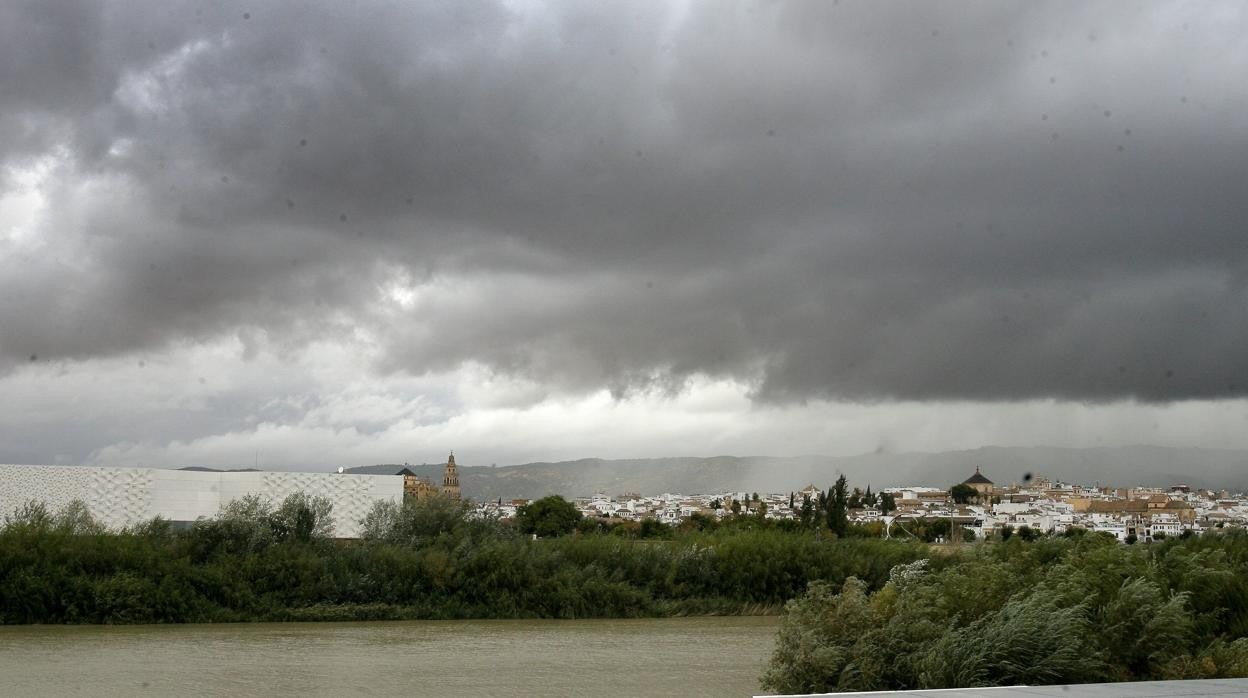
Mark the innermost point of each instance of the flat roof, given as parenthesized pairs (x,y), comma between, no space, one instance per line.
(1132,689)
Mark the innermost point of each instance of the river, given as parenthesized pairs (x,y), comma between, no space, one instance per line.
(648,657)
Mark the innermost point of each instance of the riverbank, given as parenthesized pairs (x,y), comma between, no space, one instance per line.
(720,657)
(339,613)
(237,569)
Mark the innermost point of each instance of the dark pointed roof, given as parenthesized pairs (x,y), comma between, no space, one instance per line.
(977,479)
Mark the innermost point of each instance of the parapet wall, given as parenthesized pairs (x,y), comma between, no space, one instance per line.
(122,496)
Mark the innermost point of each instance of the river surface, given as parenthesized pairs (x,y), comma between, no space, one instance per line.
(651,657)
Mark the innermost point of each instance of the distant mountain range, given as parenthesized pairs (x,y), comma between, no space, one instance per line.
(1118,466)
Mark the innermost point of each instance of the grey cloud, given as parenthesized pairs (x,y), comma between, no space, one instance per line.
(924,200)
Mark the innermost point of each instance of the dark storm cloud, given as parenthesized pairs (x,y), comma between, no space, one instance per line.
(921,200)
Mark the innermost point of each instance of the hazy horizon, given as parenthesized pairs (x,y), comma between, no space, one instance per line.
(1122,466)
(460,460)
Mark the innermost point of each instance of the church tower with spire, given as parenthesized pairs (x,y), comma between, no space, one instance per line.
(450,480)
(982,485)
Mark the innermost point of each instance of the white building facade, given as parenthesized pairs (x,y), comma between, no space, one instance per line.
(120,497)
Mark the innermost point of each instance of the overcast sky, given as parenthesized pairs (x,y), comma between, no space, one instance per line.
(343,233)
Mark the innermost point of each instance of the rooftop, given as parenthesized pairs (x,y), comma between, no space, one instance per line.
(977,479)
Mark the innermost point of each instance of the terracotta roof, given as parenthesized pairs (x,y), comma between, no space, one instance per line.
(977,479)
(1117,506)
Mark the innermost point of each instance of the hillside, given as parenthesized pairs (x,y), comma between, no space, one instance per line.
(1120,466)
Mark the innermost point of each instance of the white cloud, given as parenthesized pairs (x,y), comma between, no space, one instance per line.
(323,407)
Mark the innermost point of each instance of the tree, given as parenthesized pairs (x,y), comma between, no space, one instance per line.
(242,524)
(855,499)
(697,521)
(963,493)
(1006,531)
(76,518)
(548,516)
(868,498)
(414,521)
(594,524)
(32,515)
(1031,639)
(807,513)
(736,507)
(302,518)
(929,529)
(816,635)
(887,502)
(838,507)
(653,528)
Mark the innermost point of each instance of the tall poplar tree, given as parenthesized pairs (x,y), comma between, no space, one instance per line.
(838,508)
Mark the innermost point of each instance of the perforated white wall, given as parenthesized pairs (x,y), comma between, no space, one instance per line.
(122,496)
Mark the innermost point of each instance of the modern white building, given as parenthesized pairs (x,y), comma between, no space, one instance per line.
(120,497)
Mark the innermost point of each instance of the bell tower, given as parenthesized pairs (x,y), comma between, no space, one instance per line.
(450,480)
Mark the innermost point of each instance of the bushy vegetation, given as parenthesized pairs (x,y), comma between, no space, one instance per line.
(1050,610)
(427,559)
(548,516)
(862,613)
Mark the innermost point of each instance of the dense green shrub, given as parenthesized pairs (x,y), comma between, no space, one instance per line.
(413,521)
(549,516)
(1056,610)
(418,559)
